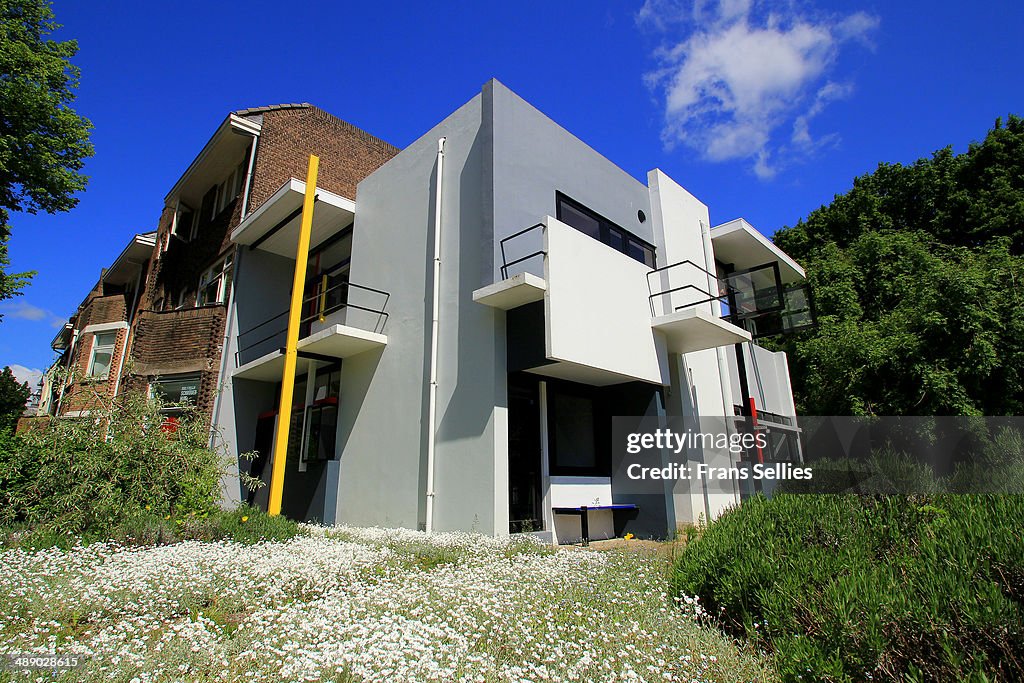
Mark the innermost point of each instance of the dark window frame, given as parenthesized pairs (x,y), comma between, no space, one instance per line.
(602,438)
(607,229)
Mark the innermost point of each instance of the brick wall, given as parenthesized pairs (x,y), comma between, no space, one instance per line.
(190,340)
(103,309)
(81,392)
(179,342)
(289,136)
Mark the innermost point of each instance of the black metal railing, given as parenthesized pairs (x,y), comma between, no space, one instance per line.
(505,263)
(704,296)
(325,302)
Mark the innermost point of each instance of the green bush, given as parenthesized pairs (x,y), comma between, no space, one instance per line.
(847,588)
(243,525)
(93,474)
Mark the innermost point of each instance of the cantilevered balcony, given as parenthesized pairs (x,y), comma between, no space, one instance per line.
(274,226)
(607,318)
(340,319)
(685,301)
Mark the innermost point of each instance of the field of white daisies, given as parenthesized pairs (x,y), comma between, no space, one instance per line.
(346,604)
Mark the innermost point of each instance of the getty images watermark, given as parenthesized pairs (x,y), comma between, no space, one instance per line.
(864,455)
(679,443)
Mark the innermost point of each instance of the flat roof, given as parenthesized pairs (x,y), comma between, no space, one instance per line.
(739,243)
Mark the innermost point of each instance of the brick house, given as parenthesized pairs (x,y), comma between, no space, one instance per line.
(155,321)
(93,344)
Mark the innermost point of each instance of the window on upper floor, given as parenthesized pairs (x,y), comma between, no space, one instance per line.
(185,224)
(215,283)
(219,197)
(589,222)
(102,354)
(230,188)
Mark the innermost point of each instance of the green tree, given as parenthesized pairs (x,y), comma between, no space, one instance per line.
(917,278)
(13,396)
(43,142)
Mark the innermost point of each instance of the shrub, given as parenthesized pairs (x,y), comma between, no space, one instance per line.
(92,474)
(243,525)
(847,588)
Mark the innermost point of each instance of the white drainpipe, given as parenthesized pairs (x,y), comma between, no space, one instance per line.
(248,176)
(432,401)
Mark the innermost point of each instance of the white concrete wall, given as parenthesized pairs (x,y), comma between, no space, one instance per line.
(596,307)
(700,386)
(767,379)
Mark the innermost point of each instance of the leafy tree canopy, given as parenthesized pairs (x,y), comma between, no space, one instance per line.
(917,277)
(43,142)
(13,396)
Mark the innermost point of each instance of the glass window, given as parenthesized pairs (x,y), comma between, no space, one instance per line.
(574,442)
(176,391)
(574,214)
(322,415)
(616,240)
(215,283)
(208,208)
(756,291)
(185,223)
(588,225)
(102,353)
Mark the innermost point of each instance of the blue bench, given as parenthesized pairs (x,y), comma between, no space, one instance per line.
(584,513)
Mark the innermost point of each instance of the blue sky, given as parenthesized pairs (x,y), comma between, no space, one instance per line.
(762,109)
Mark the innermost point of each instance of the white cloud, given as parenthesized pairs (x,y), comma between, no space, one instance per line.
(734,74)
(26,311)
(30,375)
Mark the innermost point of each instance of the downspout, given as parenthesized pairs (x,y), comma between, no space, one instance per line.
(432,400)
(248,177)
(723,367)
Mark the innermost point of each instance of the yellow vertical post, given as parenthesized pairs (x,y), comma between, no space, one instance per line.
(284,413)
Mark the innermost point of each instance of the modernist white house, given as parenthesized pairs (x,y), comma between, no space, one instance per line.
(567,292)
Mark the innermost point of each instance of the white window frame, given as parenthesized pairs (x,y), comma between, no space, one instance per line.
(176,408)
(230,188)
(220,270)
(185,232)
(97,347)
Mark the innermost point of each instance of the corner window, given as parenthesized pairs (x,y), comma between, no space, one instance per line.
(574,214)
(215,283)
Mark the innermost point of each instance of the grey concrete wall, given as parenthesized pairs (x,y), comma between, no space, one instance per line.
(382,425)
(534,157)
(261,287)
